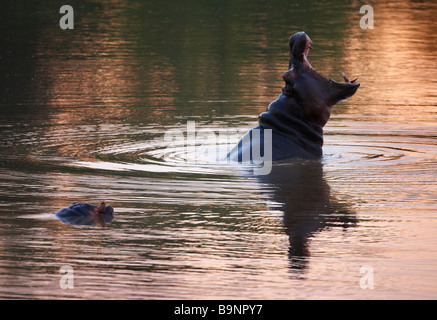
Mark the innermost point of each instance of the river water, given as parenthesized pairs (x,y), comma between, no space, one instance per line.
(84,114)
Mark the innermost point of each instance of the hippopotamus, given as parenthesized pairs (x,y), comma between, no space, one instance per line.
(86,214)
(296,118)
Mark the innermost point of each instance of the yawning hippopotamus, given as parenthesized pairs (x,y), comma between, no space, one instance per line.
(296,118)
(86,214)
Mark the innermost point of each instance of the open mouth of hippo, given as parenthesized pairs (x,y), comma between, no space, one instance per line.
(288,75)
(308,48)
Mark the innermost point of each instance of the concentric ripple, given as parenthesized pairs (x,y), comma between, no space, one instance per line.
(342,148)
(144,149)
(156,156)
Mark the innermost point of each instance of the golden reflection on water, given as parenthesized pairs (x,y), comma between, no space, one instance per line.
(395,61)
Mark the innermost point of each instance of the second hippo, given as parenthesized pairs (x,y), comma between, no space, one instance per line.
(86,214)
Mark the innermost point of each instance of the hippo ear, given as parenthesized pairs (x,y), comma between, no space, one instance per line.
(340,91)
(101,208)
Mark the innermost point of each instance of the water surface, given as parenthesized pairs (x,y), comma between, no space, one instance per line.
(83,118)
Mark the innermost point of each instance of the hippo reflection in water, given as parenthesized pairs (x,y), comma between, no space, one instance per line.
(86,214)
(301,191)
(295,120)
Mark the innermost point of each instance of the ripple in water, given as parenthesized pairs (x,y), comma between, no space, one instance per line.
(160,158)
(340,150)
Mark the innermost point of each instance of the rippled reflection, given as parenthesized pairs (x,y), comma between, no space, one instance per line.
(395,62)
(305,198)
(303,194)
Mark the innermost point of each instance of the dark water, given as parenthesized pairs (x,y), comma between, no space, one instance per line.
(84,113)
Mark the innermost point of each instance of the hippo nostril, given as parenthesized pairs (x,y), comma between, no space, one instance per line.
(287,76)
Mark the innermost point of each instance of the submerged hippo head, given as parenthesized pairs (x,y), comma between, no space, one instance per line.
(86,214)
